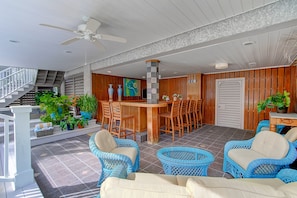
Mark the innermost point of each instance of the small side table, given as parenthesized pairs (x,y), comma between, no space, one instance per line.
(185,160)
(287,119)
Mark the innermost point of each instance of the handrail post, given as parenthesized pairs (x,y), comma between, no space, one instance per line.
(24,174)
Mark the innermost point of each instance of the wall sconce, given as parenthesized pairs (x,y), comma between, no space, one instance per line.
(221,65)
(192,79)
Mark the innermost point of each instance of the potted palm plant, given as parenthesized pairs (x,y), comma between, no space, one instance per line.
(88,106)
(279,100)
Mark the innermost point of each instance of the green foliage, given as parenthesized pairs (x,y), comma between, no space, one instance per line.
(81,122)
(69,122)
(56,108)
(39,94)
(280,100)
(87,103)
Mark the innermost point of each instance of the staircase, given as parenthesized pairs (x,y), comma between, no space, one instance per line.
(49,78)
(17,83)
(14,83)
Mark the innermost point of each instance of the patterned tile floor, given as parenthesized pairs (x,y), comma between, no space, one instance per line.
(68,169)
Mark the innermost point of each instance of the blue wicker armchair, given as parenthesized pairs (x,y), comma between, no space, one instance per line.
(113,152)
(260,157)
(287,175)
(291,136)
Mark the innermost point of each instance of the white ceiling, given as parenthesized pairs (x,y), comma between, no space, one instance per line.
(149,23)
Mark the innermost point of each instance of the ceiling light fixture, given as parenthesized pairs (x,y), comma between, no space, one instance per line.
(221,65)
(248,43)
(14,41)
(252,64)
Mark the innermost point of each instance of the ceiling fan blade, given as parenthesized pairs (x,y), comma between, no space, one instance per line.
(93,25)
(56,27)
(99,45)
(111,38)
(69,41)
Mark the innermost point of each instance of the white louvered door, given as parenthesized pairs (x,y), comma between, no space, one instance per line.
(230,102)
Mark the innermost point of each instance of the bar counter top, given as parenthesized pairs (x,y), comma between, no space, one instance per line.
(144,104)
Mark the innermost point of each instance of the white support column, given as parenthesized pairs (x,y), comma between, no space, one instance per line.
(24,174)
(62,88)
(87,79)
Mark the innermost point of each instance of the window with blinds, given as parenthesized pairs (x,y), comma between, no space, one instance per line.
(74,86)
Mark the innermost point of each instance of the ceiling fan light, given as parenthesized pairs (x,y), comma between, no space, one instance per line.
(221,65)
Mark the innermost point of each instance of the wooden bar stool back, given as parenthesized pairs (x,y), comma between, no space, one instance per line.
(172,120)
(184,115)
(118,123)
(106,114)
(199,112)
(191,114)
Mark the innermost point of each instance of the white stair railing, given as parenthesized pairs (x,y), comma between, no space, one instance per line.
(17,169)
(12,79)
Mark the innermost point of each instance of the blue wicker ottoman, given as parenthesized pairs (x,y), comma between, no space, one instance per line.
(185,160)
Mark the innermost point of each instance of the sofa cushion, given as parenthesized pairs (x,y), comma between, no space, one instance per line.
(291,135)
(227,188)
(123,188)
(153,178)
(289,189)
(182,179)
(244,157)
(270,144)
(273,182)
(104,141)
(130,152)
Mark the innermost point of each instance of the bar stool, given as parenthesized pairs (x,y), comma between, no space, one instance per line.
(106,114)
(184,118)
(172,120)
(191,114)
(118,122)
(198,111)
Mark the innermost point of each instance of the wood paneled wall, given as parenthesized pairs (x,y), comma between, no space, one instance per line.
(259,84)
(194,86)
(100,84)
(172,86)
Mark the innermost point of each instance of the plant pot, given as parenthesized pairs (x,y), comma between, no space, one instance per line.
(70,127)
(86,115)
(281,110)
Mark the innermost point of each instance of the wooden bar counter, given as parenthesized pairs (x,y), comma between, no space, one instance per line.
(151,119)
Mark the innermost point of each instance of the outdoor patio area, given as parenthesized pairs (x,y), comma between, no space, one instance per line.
(67,168)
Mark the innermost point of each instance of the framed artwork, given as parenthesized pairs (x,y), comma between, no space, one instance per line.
(132,87)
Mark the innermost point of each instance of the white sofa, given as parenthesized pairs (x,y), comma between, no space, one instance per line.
(146,185)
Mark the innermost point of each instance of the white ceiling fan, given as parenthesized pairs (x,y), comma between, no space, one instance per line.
(88,31)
